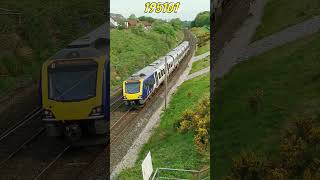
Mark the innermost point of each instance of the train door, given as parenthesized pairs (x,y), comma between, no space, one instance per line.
(156,78)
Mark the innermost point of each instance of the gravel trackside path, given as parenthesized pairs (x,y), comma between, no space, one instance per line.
(238,45)
(198,73)
(290,34)
(197,58)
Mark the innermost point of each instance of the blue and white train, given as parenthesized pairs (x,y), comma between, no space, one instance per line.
(138,87)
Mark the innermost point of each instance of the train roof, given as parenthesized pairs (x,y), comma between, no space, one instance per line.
(94,44)
(150,69)
(143,73)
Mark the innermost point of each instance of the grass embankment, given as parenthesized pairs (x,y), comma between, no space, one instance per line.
(199,65)
(130,51)
(203,35)
(279,14)
(168,147)
(45,28)
(259,98)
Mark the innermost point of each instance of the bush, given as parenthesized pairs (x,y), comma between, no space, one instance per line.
(138,30)
(11,65)
(197,121)
(299,154)
(248,166)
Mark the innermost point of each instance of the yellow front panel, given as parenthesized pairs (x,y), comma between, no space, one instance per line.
(132,96)
(72,110)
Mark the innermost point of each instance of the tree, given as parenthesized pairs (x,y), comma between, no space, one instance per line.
(164,28)
(148,19)
(202,19)
(133,17)
(176,23)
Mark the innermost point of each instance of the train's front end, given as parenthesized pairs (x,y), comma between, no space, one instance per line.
(132,92)
(73,97)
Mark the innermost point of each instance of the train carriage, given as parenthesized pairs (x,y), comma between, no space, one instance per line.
(138,88)
(75,86)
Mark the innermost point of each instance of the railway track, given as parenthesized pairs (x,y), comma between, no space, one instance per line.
(19,135)
(17,144)
(74,166)
(70,162)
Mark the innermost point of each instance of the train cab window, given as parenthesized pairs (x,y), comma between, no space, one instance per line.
(132,87)
(80,84)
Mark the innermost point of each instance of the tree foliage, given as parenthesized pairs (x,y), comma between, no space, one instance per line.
(148,19)
(138,29)
(176,23)
(164,28)
(132,17)
(202,19)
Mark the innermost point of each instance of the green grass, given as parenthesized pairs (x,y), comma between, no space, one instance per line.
(199,31)
(168,147)
(201,64)
(203,35)
(279,14)
(135,51)
(289,77)
(203,49)
(46,27)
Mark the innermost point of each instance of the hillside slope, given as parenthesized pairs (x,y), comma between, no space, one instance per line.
(45,28)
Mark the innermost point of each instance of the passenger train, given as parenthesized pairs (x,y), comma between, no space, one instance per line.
(75,87)
(138,87)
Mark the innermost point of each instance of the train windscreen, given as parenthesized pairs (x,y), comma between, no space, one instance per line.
(72,80)
(132,87)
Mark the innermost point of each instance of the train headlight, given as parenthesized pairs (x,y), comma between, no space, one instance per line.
(47,114)
(140,97)
(97,111)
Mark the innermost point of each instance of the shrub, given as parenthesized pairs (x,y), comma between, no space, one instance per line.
(248,166)
(299,154)
(197,121)
(138,29)
(255,100)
